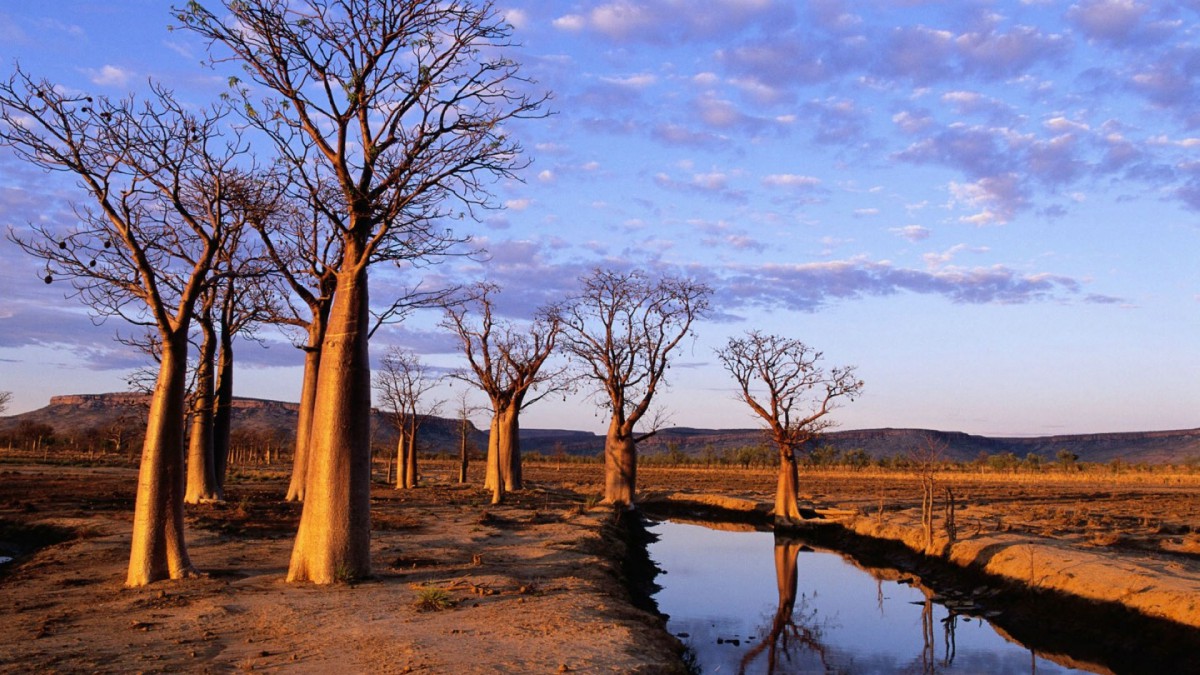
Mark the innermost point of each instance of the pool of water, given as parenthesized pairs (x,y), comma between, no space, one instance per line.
(747,602)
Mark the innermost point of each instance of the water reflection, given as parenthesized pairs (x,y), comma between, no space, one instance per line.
(794,631)
(821,614)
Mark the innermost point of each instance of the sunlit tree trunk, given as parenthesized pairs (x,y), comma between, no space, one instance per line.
(406,458)
(620,465)
(787,490)
(308,398)
(201,469)
(333,541)
(492,477)
(410,459)
(401,449)
(158,549)
(509,448)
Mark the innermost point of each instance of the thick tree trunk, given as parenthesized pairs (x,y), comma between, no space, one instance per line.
(787,490)
(158,549)
(492,476)
(410,459)
(620,466)
(334,538)
(401,460)
(510,449)
(223,413)
(308,399)
(202,483)
(493,454)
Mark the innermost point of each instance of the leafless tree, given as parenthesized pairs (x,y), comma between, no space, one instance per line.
(5,399)
(156,174)
(201,463)
(401,106)
(783,383)
(403,383)
(464,410)
(505,361)
(621,330)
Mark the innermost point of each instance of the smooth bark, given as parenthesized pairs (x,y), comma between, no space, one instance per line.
(308,401)
(158,550)
(334,538)
(504,450)
(787,489)
(620,466)
(223,413)
(202,485)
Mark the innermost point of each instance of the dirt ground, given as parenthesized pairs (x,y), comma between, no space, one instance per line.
(460,586)
(528,587)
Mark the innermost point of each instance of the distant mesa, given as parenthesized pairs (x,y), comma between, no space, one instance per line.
(80,413)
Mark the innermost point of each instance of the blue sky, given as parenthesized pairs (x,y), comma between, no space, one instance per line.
(992,209)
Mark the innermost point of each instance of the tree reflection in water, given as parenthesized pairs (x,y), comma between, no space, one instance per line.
(793,630)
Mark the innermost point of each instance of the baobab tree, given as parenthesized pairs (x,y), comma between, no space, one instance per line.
(782,381)
(621,330)
(404,383)
(306,251)
(157,175)
(505,361)
(401,106)
(202,483)
(464,411)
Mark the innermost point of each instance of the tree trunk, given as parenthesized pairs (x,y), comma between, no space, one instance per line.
(492,480)
(462,452)
(787,492)
(223,413)
(493,453)
(201,470)
(509,432)
(410,458)
(308,399)
(334,539)
(158,550)
(401,464)
(620,466)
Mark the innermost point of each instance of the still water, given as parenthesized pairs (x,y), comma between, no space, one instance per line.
(745,602)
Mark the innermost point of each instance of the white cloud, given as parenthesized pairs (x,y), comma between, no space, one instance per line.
(517,17)
(790,180)
(911,232)
(109,76)
(570,22)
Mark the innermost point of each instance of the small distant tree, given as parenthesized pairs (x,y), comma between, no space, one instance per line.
(782,382)
(5,399)
(622,330)
(926,460)
(465,427)
(505,361)
(856,459)
(403,383)
(1067,460)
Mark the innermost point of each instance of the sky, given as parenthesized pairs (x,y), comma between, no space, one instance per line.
(990,209)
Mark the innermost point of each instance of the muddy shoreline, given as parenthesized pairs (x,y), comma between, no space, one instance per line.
(1098,635)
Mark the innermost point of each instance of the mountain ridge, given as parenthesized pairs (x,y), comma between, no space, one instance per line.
(92,413)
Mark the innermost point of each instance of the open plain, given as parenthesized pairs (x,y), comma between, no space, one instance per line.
(534,585)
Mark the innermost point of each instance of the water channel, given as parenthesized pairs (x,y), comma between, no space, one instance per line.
(748,602)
